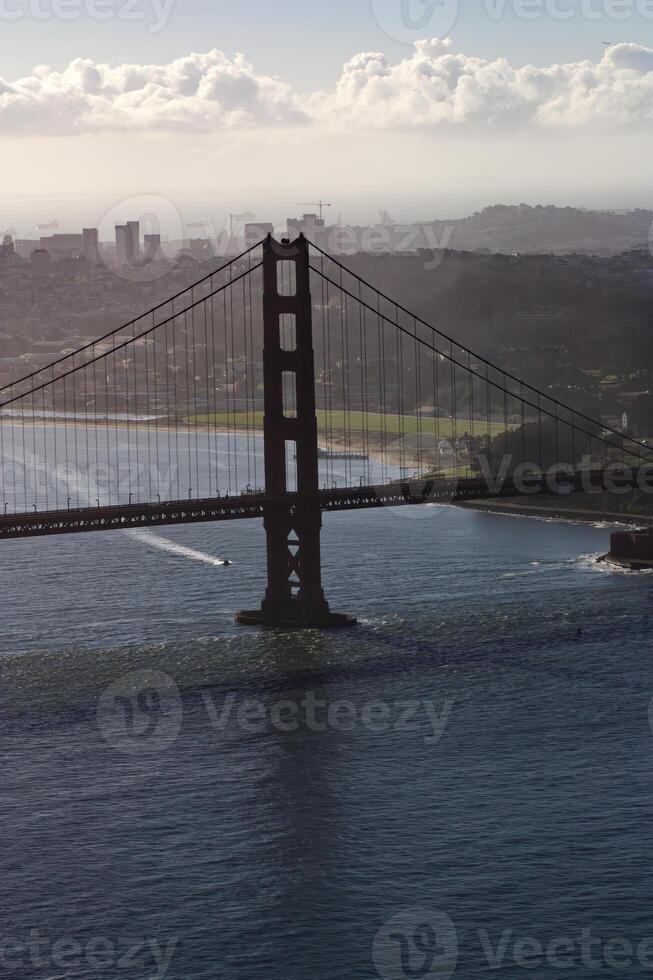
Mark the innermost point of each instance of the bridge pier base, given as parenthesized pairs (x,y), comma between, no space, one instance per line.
(295,617)
(294,598)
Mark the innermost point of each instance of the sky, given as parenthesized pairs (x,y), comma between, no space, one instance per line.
(426,108)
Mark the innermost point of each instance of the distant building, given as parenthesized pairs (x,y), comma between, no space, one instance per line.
(40,263)
(25,246)
(255,232)
(133,241)
(91,244)
(152,248)
(616,422)
(128,244)
(8,255)
(121,245)
(66,246)
(309,225)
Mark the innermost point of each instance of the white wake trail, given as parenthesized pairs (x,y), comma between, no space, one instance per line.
(164,544)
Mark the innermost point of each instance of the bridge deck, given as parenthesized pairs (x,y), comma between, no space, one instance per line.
(247,506)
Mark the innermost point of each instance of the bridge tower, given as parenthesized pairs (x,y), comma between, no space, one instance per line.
(294,596)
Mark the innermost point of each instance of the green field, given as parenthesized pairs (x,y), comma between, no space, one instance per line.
(355,422)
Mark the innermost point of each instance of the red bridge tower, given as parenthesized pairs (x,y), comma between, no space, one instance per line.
(294,596)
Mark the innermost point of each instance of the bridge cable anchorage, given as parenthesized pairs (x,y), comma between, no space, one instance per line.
(281,362)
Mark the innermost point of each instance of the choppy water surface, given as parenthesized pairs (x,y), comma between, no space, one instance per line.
(470,766)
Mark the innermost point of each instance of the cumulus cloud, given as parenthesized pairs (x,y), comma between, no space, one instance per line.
(198,93)
(434,86)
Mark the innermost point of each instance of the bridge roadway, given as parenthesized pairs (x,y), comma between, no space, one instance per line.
(422,490)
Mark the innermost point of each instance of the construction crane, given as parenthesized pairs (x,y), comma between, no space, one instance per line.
(315,204)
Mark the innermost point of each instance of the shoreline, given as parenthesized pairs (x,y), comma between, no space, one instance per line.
(163,425)
(516,508)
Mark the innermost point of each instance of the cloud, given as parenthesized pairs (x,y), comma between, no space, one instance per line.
(436,86)
(433,87)
(197,93)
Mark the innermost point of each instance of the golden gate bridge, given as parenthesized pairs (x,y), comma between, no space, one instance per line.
(280,386)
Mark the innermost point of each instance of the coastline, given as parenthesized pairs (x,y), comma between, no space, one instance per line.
(515,507)
(161,424)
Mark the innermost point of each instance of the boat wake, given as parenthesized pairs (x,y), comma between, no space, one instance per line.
(165,544)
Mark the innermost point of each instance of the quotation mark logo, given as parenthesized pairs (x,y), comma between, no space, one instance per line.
(410,20)
(141,712)
(416,945)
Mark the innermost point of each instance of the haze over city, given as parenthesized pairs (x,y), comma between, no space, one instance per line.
(513,104)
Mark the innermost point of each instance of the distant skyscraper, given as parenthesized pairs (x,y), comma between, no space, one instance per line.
(121,245)
(128,247)
(133,241)
(152,248)
(39,261)
(90,238)
(9,258)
